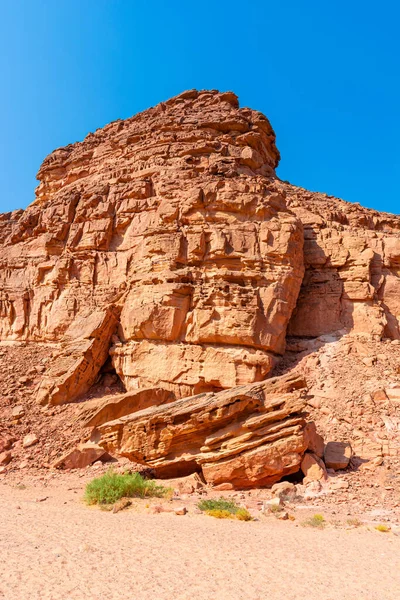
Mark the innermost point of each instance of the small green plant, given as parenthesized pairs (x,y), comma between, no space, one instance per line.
(354,522)
(218,504)
(20,486)
(112,486)
(243,515)
(317,521)
(275,508)
(382,528)
(219,513)
(224,509)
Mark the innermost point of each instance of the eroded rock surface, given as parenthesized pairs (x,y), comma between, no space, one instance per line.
(247,436)
(172,217)
(163,255)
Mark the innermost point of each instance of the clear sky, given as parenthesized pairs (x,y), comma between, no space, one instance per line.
(326,74)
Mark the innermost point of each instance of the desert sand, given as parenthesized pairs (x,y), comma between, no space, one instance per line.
(54,547)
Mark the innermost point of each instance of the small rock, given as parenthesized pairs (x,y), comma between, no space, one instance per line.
(272,505)
(30,440)
(5,458)
(223,487)
(121,504)
(369,361)
(180,510)
(283,516)
(18,412)
(284,489)
(41,499)
(313,467)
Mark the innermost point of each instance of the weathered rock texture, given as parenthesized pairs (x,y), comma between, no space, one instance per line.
(248,436)
(166,248)
(172,217)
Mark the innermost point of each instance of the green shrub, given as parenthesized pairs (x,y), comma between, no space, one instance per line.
(382,528)
(112,486)
(219,513)
(317,521)
(224,509)
(220,504)
(243,515)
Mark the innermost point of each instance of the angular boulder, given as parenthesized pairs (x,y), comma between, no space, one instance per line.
(81,456)
(80,358)
(114,407)
(248,436)
(337,455)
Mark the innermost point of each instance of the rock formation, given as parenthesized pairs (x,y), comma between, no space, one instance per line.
(165,248)
(248,436)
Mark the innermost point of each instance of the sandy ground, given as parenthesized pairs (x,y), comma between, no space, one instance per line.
(59,549)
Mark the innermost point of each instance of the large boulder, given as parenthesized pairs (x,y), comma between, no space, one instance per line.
(248,436)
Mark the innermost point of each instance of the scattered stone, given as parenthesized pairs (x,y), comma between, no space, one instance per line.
(30,440)
(283,516)
(5,458)
(18,412)
(337,455)
(284,490)
(313,467)
(82,456)
(121,504)
(272,505)
(181,510)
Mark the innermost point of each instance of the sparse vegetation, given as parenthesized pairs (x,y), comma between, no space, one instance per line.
(224,509)
(275,508)
(382,528)
(218,504)
(243,515)
(317,521)
(219,513)
(354,522)
(112,486)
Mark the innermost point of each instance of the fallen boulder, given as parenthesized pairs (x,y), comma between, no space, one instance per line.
(81,357)
(81,456)
(337,455)
(248,436)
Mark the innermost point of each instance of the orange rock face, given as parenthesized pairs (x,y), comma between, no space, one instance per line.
(165,249)
(171,220)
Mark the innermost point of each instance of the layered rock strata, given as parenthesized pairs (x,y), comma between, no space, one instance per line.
(247,436)
(171,218)
(166,248)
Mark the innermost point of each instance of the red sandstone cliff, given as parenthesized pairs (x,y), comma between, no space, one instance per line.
(167,244)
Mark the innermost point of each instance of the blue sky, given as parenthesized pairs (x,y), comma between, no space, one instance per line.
(326,74)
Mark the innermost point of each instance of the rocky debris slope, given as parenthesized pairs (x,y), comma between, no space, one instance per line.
(164,262)
(54,429)
(353,393)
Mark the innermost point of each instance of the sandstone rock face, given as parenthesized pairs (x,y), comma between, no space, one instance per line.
(114,407)
(165,249)
(352,259)
(171,218)
(247,436)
